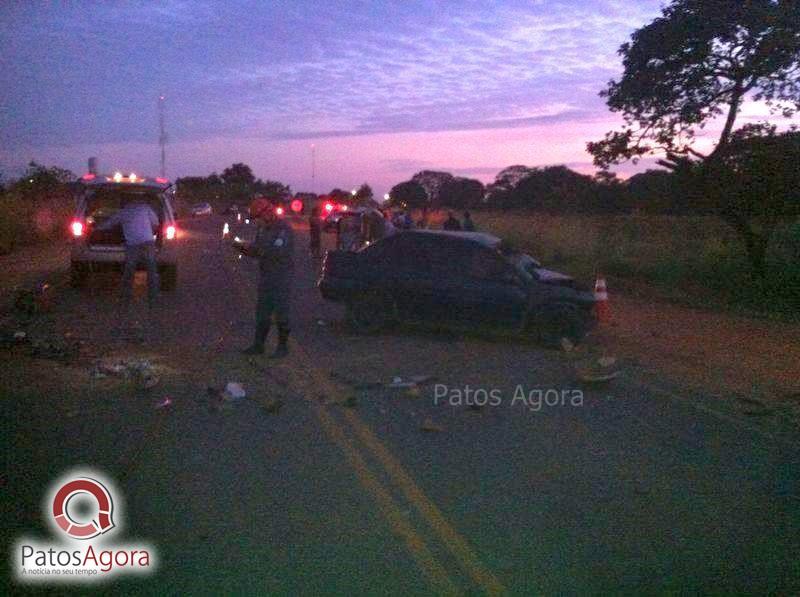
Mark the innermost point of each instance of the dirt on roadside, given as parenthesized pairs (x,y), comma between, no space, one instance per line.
(714,351)
(25,267)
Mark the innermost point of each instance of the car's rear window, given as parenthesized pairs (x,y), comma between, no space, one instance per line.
(102,203)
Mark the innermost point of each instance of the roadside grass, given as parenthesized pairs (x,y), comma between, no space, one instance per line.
(691,260)
(24,221)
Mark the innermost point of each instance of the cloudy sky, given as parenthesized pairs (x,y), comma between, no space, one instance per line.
(381,89)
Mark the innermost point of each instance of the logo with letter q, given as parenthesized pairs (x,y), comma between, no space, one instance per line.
(83,487)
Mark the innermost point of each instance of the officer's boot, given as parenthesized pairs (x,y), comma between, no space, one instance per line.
(283,343)
(262,331)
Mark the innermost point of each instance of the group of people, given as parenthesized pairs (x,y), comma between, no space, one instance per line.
(274,248)
(452,223)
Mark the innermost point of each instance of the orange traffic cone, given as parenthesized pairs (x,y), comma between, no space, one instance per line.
(601,307)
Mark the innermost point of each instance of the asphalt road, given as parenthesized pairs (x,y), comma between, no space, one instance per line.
(632,488)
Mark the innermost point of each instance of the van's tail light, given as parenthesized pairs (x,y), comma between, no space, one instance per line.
(170,232)
(77,228)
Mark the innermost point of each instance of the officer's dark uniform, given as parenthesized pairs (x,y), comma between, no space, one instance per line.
(274,248)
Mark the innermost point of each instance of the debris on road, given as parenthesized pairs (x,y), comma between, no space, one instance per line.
(216,400)
(755,408)
(429,426)
(600,370)
(234,391)
(349,402)
(411,384)
(399,384)
(148,381)
(56,350)
(9,339)
(30,301)
(142,371)
(356,385)
(272,407)
(567,345)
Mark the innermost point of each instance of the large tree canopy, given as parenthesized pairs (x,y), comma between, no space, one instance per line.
(408,194)
(461,193)
(700,60)
(754,185)
(432,181)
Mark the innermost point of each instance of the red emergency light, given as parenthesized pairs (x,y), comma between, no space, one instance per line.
(297,206)
(329,207)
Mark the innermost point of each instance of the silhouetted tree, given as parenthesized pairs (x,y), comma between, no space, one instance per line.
(461,193)
(754,185)
(498,192)
(201,189)
(408,194)
(364,195)
(275,191)
(432,181)
(652,191)
(338,195)
(699,60)
(40,180)
(555,189)
(239,182)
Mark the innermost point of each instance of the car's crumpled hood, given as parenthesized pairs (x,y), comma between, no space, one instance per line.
(550,277)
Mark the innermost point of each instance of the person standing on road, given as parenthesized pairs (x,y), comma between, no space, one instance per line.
(469,225)
(451,223)
(348,233)
(274,249)
(315,233)
(139,222)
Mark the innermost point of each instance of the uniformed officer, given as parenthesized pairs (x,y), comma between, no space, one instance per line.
(274,249)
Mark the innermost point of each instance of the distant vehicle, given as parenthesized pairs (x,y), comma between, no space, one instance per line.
(331,221)
(102,250)
(460,278)
(201,209)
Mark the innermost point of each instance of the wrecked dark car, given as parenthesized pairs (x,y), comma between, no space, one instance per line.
(463,279)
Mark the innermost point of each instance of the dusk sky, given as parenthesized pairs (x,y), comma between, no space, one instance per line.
(382,89)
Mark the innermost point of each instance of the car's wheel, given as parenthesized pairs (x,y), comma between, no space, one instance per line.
(371,311)
(78,276)
(555,322)
(168,277)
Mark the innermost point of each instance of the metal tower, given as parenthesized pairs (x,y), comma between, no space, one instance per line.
(162,139)
(313,168)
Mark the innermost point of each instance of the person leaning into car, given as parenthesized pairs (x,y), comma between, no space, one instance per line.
(138,221)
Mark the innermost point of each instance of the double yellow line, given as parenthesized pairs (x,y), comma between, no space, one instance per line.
(452,540)
(312,382)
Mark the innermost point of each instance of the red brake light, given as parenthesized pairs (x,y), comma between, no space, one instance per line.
(88,176)
(77,228)
(171,232)
(162,180)
(297,206)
